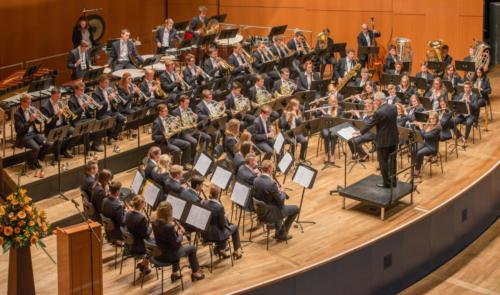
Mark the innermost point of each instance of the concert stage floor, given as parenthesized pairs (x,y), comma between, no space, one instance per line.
(335,233)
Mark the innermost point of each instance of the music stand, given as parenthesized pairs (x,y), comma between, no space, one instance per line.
(339,48)
(368,50)
(203,164)
(134,121)
(150,61)
(438,66)
(279,142)
(220,17)
(178,206)
(40,85)
(426,102)
(320,86)
(181,26)
(285,164)
(152,194)
(305,96)
(448,85)
(344,132)
(221,178)
(55,135)
(387,79)
(228,34)
(83,129)
(420,83)
(31,70)
(197,216)
(465,66)
(306,57)
(92,74)
(277,31)
(104,125)
(406,66)
(267,66)
(304,176)
(286,62)
(421,117)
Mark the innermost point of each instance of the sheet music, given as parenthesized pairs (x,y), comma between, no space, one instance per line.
(303,176)
(221,177)
(177,206)
(285,162)
(240,194)
(198,217)
(150,193)
(137,182)
(203,164)
(278,143)
(346,132)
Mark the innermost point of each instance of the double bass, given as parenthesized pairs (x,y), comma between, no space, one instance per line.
(376,62)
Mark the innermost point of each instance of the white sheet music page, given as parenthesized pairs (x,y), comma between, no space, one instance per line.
(198,217)
(303,176)
(203,164)
(137,182)
(240,194)
(150,193)
(221,177)
(346,132)
(177,206)
(285,162)
(278,143)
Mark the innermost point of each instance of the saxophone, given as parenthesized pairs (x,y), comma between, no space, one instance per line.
(348,77)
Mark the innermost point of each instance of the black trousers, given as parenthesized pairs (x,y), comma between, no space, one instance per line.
(383,154)
(38,145)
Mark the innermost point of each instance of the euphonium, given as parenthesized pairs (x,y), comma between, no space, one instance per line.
(434,54)
(323,40)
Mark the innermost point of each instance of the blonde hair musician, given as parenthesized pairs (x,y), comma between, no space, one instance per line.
(430,132)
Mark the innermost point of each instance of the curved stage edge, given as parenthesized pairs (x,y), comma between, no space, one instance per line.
(394,261)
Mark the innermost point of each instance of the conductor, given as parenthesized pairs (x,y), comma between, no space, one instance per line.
(385,120)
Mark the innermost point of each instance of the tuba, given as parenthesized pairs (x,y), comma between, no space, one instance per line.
(481,57)
(434,52)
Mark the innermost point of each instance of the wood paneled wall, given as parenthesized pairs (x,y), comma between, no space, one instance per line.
(457,22)
(32,29)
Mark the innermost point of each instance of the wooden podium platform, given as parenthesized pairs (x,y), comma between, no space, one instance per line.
(79,259)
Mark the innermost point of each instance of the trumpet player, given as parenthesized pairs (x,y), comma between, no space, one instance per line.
(149,87)
(263,133)
(292,118)
(240,63)
(193,74)
(79,105)
(27,134)
(128,92)
(53,109)
(263,55)
(212,65)
(190,119)
(171,82)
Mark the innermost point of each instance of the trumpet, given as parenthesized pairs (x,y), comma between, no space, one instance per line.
(159,91)
(203,73)
(224,64)
(88,100)
(142,95)
(40,117)
(66,111)
(117,99)
(184,85)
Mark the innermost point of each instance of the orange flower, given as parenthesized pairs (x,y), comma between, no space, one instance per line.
(28,209)
(33,239)
(15,202)
(18,239)
(12,216)
(17,230)
(27,199)
(31,223)
(22,191)
(9,197)
(21,214)
(21,223)
(44,227)
(2,211)
(7,231)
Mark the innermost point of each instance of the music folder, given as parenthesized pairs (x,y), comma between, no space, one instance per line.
(305,176)
(276,31)
(240,194)
(221,177)
(285,163)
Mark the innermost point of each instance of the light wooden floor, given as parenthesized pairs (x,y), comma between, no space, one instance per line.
(474,271)
(335,231)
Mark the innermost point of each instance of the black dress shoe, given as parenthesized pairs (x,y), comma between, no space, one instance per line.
(284,237)
(37,165)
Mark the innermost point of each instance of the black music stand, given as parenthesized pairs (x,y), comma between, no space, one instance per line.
(465,66)
(181,26)
(339,48)
(438,66)
(216,125)
(91,75)
(406,66)
(277,31)
(206,40)
(387,79)
(421,117)
(449,86)
(320,86)
(286,62)
(426,102)
(151,61)
(350,90)
(83,130)
(228,34)
(30,71)
(104,125)
(220,17)
(304,176)
(420,83)
(40,85)
(368,50)
(267,67)
(134,121)
(55,135)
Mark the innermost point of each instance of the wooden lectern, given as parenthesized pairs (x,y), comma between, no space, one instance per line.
(79,259)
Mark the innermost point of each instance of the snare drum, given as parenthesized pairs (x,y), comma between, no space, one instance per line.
(136,73)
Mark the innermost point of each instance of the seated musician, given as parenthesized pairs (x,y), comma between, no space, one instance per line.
(345,64)
(174,182)
(365,78)
(193,193)
(236,102)
(331,89)
(391,59)
(472,104)
(244,147)
(368,92)
(298,46)
(165,36)
(206,109)
(161,172)
(392,98)
(402,118)
(248,171)
(430,133)
(366,38)
(171,82)
(172,144)
(405,88)
(290,119)
(53,110)
(189,118)
(447,59)
(199,21)
(240,65)
(79,60)
(137,224)
(152,161)
(263,55)
(324,41)
(219,228)
(415,107)
(306,78)
(212,65)
(114,209)
(193,74)
(279,48)
(89,177)
(123,52)
(129,93)
(150,87)
(331,109)
(446,121)
(99,192)
(451,75)
(398,69)
(284,86)
(80,104)
(482,83)
(263,133)
(259,94)
(424,73)
(437,91)
(356,143)
(231,139)
(168,235)
(27,134)
(106,98)
(270,192)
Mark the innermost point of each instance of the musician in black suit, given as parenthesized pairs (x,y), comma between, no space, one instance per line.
(114,209)
(278,48)
(447,59)
(259,90)
(366,38)
(99,192)
(406,89)
(168,236)
(193,193)
(212,65)
(363,79)
(149,86)
(205,109)
(152,163)
(52,109)
(193,74)
(324,41)
(137,224)
(171,82)
(27,134)
(199,21)
(385,120)
(392,97)
(299,46)
(446,121)
(235,97)
(391,59)
(451,75)
(178,147)
(356,143)
(249,171)
(263,133)
(165,36)
(431,134)
(290,119)
(89,178)
(79,60)
(220,229)
(174,182)
(270,192)
(284,82)
(123,52)
(345,64)
(398,69)
(240,65)
(424,73)
(472,104)
(306,78)
(481,82)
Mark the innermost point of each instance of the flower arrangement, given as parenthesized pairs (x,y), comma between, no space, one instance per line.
(21,224)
